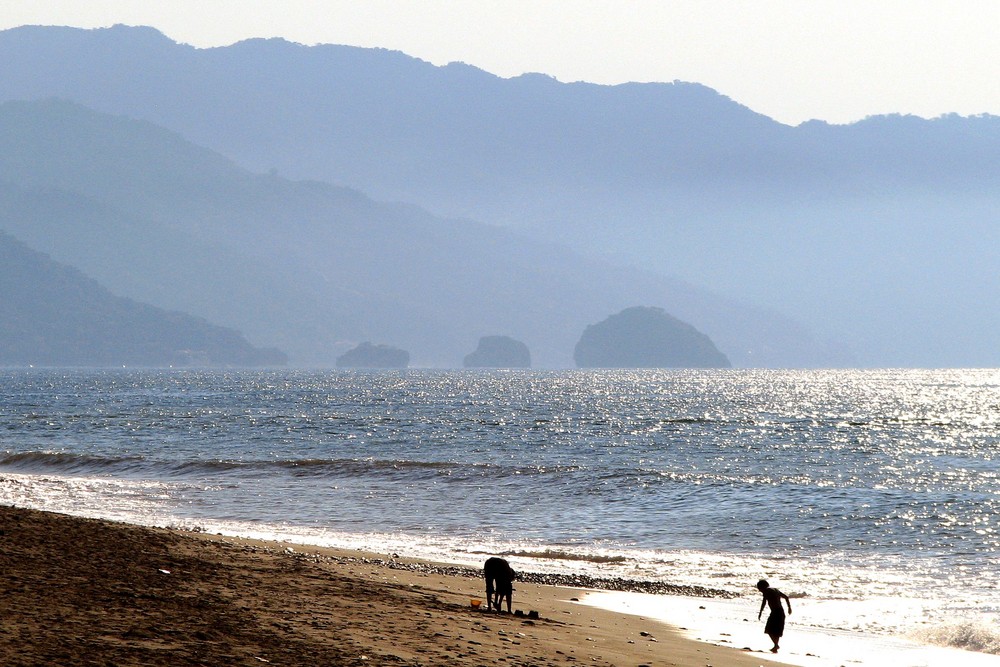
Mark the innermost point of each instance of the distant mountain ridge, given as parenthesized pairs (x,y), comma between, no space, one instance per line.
(881,233)
(311,268)
(394,126)
(53,315)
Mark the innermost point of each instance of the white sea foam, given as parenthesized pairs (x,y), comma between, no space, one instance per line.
(134,501)
(973,636)
(734,623)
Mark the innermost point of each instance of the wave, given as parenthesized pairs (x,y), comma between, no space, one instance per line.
(71,463)
(29,462)
(304,467)
(552,554)
(82,464)
(968,635)
(589,480)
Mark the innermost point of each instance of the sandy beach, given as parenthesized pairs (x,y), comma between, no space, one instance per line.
(91,592)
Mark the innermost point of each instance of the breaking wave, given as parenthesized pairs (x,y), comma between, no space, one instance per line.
(49,462)
(970,636)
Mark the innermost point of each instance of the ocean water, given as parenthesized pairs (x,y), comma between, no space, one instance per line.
(870,497)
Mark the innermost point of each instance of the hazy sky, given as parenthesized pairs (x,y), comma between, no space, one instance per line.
(838,60)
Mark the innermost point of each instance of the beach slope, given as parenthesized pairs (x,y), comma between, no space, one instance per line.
(92,592)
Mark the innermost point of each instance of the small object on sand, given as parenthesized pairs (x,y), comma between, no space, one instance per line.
(518,613)
(164,571)
(475,603)
(533,614)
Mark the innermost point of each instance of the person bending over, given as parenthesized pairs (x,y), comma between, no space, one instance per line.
(499,582)
(775,626)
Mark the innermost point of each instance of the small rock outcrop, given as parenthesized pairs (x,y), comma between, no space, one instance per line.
(367,355)
(646,337)
(499,352)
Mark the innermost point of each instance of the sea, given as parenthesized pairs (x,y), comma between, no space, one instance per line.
(870,497)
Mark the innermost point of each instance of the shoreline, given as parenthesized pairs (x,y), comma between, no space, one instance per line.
(93,591)
(575,581)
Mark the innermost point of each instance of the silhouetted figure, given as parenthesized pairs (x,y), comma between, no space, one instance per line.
(775,626)
(499,582)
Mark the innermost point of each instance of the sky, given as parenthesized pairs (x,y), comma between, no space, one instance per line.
(792,60)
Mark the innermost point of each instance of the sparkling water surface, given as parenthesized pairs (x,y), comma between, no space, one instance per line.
(841,485)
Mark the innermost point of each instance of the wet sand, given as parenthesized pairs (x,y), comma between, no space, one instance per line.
(79,591)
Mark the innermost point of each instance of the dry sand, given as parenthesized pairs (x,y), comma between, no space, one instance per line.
(87,592)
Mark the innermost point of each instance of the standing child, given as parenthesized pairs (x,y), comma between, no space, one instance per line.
(775,626)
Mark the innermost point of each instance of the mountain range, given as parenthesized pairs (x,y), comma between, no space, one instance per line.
(53,315)
(881,234)
(311,268)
